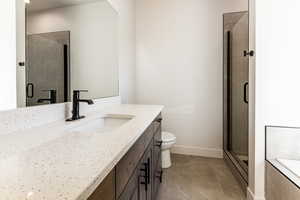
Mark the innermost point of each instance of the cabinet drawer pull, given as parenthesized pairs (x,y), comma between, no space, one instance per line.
(160,175)
(148,170)
(159,120)
(30,87)
(146,185)
(146,176)
(159,143)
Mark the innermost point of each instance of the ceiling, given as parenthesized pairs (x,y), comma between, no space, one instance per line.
(38,5)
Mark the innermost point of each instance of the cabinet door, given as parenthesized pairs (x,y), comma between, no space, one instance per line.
(131,190)
(145,186)
(156,165)
(135,195)
(142,189)
(157,176)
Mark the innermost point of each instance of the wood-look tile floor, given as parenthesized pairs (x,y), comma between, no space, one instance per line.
(197,178)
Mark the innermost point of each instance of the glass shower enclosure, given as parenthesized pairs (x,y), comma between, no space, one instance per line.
(235,81)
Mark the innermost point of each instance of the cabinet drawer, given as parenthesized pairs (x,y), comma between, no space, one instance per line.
(129,162)
(148,136)
(157,122)
(106,190)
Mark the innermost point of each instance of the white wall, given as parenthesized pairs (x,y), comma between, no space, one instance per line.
(179,65)
(8,55)
(126,9)
(20,44)
(255,175)
(276,73)
(94,44)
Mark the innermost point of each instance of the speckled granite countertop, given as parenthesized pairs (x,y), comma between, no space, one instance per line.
(53,163)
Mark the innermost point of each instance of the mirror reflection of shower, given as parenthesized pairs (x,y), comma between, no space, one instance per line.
(236,72)
(47,74)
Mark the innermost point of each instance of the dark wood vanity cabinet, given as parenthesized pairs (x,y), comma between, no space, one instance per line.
(138,174)
(147,175)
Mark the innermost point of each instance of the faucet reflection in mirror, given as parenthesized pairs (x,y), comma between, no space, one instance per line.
(51,99)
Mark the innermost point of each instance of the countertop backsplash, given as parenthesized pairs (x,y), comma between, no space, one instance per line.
(24,118)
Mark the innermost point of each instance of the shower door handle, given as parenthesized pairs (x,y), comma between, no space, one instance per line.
(31,87)
(245,92)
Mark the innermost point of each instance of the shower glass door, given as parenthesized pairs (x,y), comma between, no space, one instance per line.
(236,72)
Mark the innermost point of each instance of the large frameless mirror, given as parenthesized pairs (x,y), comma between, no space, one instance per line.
(70,45)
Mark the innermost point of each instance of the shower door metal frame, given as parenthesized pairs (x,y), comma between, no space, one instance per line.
(237,167)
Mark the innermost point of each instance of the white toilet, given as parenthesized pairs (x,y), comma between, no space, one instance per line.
(168,140)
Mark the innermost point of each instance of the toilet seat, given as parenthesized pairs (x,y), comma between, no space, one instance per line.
(168,137)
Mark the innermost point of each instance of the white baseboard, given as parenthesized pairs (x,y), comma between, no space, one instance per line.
(251,196)
(197,151)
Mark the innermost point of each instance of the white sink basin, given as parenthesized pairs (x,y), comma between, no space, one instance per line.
(107,123)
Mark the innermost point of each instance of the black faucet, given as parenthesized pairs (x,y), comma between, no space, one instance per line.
(51,99)
(76,101)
